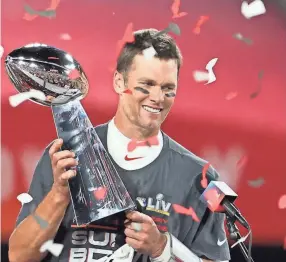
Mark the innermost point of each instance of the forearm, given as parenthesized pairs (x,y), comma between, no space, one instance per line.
(177,251)
(28,237)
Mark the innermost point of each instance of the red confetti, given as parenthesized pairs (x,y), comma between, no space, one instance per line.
(231,95)
(282,202)
(204,181)
(52,57)
(128,37)
(127,91)
(74,74)
(100,193)
(175,9)
(201,21)
(186,211)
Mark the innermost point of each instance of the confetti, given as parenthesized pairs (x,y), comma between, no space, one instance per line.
(256,183)
(1,51)
(257,92)
(175,9)
(174,28)
(204,181)
(65,37)
(17,99)
(24,198)
(50,12)
(149,52)
(240,37)
(74,74)
(100,193)
(201,21)
(42,223)
(241,239)
(253,9)
(231,95)
(282,202)
(201,76)
(54,248)
(186,211)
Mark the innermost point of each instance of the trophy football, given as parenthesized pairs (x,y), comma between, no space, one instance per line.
(97,190)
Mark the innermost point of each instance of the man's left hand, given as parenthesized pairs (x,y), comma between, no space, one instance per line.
(143,235)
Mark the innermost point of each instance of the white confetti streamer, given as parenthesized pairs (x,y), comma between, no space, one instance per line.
(1,51)
(17,99)
(149,52)
(66,37)
(201,76)
(253,9)
(54,248)
(24,198)
(241,240)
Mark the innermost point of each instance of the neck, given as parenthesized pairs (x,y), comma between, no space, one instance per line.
(131,130)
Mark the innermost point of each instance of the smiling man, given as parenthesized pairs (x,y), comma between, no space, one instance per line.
(156,171)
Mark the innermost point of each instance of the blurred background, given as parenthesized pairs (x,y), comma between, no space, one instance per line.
(238,122)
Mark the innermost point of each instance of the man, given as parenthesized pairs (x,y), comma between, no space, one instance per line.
(157,175)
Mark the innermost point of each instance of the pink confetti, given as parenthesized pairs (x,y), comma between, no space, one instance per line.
(74,74)
(175,9)
(204,181)
(231,95)
(100,193)
(282,202)
(201,21)
(65,37)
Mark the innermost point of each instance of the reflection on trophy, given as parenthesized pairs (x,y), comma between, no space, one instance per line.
(97,190)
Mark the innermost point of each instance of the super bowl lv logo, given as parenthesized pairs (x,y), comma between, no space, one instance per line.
(158,204)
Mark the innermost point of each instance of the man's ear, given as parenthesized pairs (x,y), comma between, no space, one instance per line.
(118,82)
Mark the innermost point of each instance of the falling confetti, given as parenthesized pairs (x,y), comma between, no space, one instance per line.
(241,239)
(204,181)
(149,52)
(201,21)
(257,92)
(253,9)
(100,193)
(54,248)
(1,51)
(231,95)
(282,202)
(17,99)
(186,211)
(172,27)
(24,198)
(175,9)
(74,74)
(42,223)
(240,37)
(50,12)
(256,183)
(65,37)
(201,76)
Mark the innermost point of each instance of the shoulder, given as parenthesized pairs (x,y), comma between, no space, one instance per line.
(186,158)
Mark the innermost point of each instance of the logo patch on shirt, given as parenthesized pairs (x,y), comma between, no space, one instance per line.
(132,158)
(158,205)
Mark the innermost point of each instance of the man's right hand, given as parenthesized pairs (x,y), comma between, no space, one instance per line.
(61,161)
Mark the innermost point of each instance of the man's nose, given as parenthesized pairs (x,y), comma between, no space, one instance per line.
(156,94)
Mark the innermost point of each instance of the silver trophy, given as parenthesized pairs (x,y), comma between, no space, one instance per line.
(97,191)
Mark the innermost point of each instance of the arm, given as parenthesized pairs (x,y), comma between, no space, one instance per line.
(28,237)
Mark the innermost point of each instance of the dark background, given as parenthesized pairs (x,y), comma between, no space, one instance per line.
(219,122)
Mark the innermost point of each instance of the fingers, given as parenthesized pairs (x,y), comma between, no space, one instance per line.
(68,174)
(66,163)
(136,216)
(56,146)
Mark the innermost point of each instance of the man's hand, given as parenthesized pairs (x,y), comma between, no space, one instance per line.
(143,235)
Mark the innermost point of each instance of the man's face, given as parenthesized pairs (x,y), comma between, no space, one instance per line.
(153,83)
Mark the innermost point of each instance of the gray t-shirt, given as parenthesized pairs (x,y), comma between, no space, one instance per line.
(167,180)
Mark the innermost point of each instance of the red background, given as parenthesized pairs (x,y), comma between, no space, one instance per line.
(202,116)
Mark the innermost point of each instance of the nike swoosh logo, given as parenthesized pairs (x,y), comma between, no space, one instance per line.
(220,243)
(131,158)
